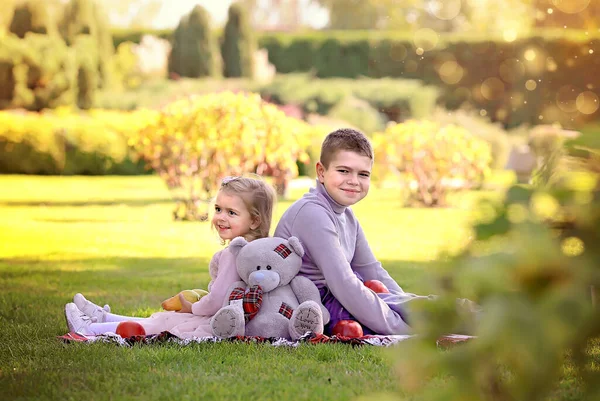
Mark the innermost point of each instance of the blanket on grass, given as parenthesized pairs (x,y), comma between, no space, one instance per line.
(309,338)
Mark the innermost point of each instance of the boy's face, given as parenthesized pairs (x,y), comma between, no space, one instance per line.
(348,177)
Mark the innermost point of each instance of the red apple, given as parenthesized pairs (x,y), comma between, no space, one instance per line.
(130,329)
(347,328)
(377,286)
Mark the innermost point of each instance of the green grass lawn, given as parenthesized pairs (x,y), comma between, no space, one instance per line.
(113,239)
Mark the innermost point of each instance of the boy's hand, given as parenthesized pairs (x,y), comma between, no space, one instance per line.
(186,306)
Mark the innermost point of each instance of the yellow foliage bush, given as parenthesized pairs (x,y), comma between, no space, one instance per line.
(432,158)
(193,143)
(62,141)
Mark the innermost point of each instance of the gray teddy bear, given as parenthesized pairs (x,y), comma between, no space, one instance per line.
(272,300)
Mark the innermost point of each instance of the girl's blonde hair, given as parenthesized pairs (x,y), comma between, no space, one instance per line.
(258,197)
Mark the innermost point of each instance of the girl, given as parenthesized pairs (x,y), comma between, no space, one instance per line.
(243,208)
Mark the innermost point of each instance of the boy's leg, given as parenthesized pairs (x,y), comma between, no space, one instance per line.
(404,306)
(337,312)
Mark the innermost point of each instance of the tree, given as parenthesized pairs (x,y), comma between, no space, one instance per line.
(195,51)
(238,45)
(77,19)
(32,16)
(87,17)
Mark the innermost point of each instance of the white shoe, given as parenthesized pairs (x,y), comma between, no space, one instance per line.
(77,321)
(95,312)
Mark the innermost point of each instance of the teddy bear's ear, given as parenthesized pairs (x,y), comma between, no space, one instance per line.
(296,246)
(237,244)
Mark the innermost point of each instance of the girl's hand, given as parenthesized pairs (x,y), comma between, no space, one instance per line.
(186,306)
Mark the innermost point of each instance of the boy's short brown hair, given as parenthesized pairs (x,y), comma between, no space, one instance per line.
(345,139)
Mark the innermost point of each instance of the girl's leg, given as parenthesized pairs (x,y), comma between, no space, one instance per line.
(89,308)
(99,314)
(111,318)
(79,322)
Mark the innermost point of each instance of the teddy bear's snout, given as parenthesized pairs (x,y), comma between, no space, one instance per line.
(268,280)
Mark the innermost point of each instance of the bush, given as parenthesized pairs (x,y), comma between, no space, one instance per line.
(239,44)
(61,142)
(37,72)
(432,159)
(493,133)
(360,114)
(196,142)
(29,145)
(125,67)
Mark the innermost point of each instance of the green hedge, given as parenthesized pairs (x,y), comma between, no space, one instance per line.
(551,60)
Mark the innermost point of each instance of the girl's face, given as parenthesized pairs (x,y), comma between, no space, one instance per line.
(232,218)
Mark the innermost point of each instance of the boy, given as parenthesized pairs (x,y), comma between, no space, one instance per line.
(337,255)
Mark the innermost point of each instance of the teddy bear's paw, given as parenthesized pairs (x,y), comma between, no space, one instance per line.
(228,322)
(307,317)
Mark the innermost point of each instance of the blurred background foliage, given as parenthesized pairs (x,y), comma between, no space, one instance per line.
(487,70)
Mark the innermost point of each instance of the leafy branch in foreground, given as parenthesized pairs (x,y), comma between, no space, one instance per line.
(533,267)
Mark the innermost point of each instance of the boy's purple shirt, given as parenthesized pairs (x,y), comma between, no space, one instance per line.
(335,245)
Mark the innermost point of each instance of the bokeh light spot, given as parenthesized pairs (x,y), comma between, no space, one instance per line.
(587,102)
(446,9)
(411,66)
(510,35)
(426,39)
(451,72)
(530,85)
(501,114)
(530,54)
(492,88)
(551,64)
(511,70)
(544,206)
(571,6)
(398,52)
(566,98)
(572,246)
